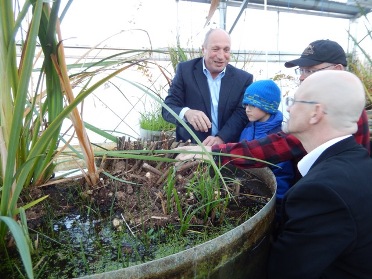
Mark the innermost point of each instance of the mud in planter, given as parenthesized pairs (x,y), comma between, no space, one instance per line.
(239,253)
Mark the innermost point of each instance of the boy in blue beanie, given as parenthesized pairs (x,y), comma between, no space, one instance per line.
(261,102)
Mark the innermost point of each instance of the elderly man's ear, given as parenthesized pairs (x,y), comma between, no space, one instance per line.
(338,67)
(317,114)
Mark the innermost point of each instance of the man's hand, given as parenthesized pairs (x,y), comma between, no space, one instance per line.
(192,156)
(198,120)
(211,140)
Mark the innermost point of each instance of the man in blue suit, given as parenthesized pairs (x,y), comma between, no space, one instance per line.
(326,216)
(207,94)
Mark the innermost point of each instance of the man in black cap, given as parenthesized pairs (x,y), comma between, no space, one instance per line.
(326,54)
(319,55)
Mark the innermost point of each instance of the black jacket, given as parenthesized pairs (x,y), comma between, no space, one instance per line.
(189,88)
(327,230)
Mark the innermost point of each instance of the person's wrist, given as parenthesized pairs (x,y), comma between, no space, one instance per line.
(221,141)
(182,114)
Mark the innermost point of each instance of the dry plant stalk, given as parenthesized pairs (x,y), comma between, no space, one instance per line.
(81,133)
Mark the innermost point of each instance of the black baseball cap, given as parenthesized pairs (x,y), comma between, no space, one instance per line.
(318,52)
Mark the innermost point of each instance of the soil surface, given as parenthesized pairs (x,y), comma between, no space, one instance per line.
(137,192)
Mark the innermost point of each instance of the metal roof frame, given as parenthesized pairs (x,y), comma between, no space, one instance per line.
(353,9)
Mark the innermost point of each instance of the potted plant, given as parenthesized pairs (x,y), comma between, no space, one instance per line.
(153,126)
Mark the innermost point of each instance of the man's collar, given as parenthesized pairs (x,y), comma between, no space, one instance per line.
(309,159)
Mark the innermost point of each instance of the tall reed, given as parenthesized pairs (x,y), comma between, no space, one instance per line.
(31,113)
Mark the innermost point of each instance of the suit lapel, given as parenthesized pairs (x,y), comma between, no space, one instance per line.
(339,147)
(202,84)
(226,85)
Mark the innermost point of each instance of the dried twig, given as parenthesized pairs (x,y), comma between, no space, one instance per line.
(188,166)
(151,168)
(163,176)
(142,178)
(127,225)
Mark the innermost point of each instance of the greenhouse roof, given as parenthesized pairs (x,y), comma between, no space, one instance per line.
(348,9)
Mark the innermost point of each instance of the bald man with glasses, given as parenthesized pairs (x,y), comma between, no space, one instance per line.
(326,224)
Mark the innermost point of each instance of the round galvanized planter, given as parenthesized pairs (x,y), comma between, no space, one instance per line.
(239,253)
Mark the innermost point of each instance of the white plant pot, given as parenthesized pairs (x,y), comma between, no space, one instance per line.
(154,135)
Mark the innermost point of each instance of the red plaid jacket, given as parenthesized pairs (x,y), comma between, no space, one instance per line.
(276,148)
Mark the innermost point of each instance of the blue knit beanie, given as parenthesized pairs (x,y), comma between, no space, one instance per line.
(264,94)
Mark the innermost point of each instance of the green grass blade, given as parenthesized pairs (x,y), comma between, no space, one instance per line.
(21,242)
(20,100)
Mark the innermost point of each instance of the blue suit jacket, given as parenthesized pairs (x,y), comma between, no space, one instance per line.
(327,215)
(189,88)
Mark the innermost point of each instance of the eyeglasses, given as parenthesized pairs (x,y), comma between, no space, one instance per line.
(248,106)
(289,101)
(307,72)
